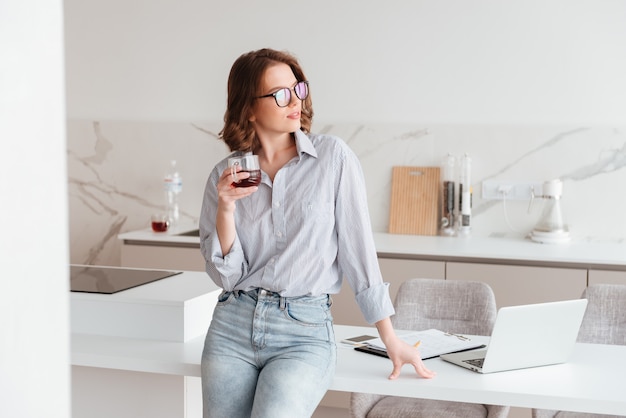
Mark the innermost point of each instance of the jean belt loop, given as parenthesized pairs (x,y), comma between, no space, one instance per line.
(283,303)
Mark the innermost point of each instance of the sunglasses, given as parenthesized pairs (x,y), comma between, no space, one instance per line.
(283,96)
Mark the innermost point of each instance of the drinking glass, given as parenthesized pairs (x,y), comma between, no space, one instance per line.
(245,163)
(160,222)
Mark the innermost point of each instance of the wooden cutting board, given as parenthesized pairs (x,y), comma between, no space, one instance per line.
(414,200)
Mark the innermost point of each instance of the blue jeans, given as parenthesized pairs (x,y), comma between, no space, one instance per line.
(267,356)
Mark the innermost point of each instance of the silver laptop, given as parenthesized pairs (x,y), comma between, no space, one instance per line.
(527,336)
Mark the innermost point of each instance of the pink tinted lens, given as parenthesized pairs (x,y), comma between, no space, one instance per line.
(302,90)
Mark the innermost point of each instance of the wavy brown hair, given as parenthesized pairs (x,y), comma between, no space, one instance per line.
(244,85)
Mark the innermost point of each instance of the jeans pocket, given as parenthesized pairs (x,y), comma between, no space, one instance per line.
(315,315)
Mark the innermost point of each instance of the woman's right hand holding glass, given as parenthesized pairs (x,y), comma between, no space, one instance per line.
(228,194)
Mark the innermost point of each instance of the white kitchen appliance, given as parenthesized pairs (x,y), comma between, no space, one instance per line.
(551,229)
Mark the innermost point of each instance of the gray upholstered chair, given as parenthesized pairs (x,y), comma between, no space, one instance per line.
(449,305)
(604,323)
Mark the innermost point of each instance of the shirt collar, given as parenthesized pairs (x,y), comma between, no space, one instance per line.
(304,144)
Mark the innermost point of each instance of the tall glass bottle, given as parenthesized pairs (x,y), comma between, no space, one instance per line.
(173,185)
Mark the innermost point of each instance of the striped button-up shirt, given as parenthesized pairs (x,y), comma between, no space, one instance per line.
(302,233)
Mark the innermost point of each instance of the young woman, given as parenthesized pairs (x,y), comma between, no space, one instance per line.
(281,248)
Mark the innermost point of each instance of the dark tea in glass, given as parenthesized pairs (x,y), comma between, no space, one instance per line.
(249,163)
(160,222)
(159,226)
(253,180)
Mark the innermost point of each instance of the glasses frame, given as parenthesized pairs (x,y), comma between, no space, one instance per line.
(289,90)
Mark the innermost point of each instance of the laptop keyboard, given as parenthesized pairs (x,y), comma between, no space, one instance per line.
(477,362)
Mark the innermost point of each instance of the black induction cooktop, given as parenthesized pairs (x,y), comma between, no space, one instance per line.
(92,279)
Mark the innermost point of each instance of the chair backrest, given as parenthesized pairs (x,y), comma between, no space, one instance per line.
(448,305)
(605,318)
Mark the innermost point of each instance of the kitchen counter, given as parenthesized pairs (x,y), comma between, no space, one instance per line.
(175,308)
(126,374)
(495,250)
(588,254)
(596,369)
(137,352)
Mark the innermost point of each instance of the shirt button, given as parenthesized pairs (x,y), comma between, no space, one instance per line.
(279,234)
(276,204)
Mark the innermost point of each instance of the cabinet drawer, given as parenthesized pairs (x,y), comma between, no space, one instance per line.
(605,276)
(162,257)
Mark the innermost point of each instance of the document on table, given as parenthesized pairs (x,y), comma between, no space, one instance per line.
(431,343)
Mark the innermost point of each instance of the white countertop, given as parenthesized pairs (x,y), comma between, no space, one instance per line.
(588,254)
(597,387)
(506,250)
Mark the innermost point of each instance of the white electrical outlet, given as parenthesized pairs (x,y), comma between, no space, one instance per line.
(510,190)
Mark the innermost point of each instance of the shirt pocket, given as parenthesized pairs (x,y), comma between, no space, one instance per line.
(317,211)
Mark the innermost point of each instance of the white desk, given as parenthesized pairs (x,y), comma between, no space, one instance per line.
(593,381)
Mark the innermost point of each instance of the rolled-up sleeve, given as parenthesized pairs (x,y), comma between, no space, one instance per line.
(226,271)
(375,303)
(356,249)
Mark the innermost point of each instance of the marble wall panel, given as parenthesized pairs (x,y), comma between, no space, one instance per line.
(115,171)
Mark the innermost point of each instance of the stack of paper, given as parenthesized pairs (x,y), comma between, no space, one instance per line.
(431,343)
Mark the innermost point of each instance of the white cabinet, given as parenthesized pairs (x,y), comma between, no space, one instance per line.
(517,285)
(100,392)
(166,312)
